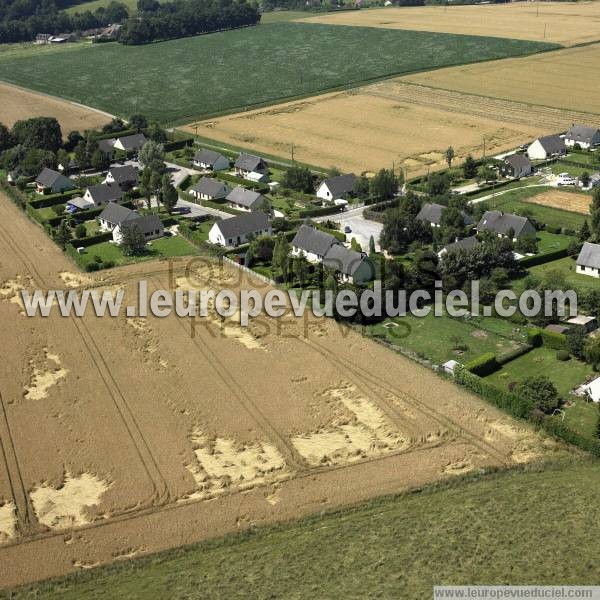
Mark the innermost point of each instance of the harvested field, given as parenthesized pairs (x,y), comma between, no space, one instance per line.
(161,432)
(17,103)
(374,126)
(560,22)
(579,203)
(537,80)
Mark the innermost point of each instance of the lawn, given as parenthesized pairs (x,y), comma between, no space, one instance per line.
(550,242)
(179,80)
(582,417)
(521,527)
(566,266)
(565,375)
(96,4)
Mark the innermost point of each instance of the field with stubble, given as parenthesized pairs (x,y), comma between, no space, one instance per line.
(125,436)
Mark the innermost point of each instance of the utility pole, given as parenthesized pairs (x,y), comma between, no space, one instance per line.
(292,151)
(484,146)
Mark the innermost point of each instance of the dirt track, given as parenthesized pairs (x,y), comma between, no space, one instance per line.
(114,432)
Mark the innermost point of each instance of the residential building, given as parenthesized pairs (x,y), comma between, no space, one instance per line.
(239,230)
(516,165)
(210,160)
(248,163)
(130,143)
(103,193)
(354,267)
(107,146)
(431,213)
(209,188)
(504,223)
(53,182)
(125,177)
(242,199)
(585,137)
(588,261)
(150,226)
(312,243)
(114,214)
(546,147)
(465,244)
(339,187)
(587,323)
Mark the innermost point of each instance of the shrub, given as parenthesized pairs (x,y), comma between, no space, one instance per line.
(508,356)
(534,337)
(483,365)
(80,231)
(556,341)
(562,355)
(92,266)
(551,229)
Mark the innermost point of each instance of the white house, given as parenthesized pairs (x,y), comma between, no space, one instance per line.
(588,261)
(103,193)
(150,226)
(239,230)
(126,177)
(337,187)
(586,137)
(248,163)
(130,143)
(312,243)
(242,199)
(210,161)
(547,147)
(114,214)
(209,188)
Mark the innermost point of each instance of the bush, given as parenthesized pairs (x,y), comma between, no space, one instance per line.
(80,231)
(92,266)
(551,229)
(556,341)
(540,259)
(508,356)
(483,365)
(562,355)
(534,337)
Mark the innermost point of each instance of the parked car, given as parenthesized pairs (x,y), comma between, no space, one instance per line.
(347,229)
(566,179)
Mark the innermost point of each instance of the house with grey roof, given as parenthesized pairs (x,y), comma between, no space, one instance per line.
(352,266)
(431,214)
(239,230)
(312,243)
(585,137)
(588,261)
(517,166)
(103,193)
(546,147)
(125,177)
(130,143)
(150,226)
(339,187)
(114,214)
(107,146)
(53,182)
(78,203)
(503,224)
(242,199)
(248,163)
(209,188)
(209,160)
(467,243)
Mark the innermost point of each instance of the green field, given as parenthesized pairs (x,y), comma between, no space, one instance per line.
(96,4)
(182,79)
(517,527)
(567,267)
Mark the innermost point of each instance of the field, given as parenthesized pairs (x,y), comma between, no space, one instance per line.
(400,547)
(183,79)
(566,266)
(570,201)
(563,23)
(96,4)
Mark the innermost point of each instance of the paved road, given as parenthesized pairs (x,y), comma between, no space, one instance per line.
(196,210)
(362,229)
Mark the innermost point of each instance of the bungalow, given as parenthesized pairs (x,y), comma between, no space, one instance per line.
(107,146)
(78,203)
(150,226)
(209,188)
(431,214)
(242,199)
(339,187)
(130,143)
(354,267)
(248,163)
(114,214)
(126,177)
(516,165)
(547,146)
(585,137)
(503,223)
(43,38)
(239,230)
(465,244)
(103,193)
(312,243)
(210,161)
(588,261)
(53,182)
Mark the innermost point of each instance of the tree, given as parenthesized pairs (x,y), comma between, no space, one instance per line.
(384,184)
(591,351)
(148,5)
(146,186)
(584,232)
(540,393)
(62,158)
(132,240)
(485,173)
(450,156)
(354,245)
(281,252)
(63,234)
(527,244)
(81,155)
(585,179)
(576,341)
(115,126)
(36,160)
(595,213)
(73,139)
(438,184)
(80,231)
(138,122)
(151,153)
(598,423)
(372,245)
(169,195)
(43,133)
(263,248)
(299,179)
(99,161)
(6,139)
(361,187)
(469,167)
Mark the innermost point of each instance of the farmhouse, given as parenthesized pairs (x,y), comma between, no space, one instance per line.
(588,261)
(208,188)
(312,243)
(239,230)
(114,214)
(431,213)
(465,244)
(516,165)
(248,163)
(150,226)
(130,143)
(210,161)
(339,187)
(585,137)
(242,199)
(502,224)
(354,267)
(125,177)
(53,182)
(103,193)
(547,147)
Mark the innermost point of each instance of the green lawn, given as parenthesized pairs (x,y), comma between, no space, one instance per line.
(582,417)
(567,267)
(565,375)
(517,527)
(96,4)
(182,79)
(561,167)
(550,242)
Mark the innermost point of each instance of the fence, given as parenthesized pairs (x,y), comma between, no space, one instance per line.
(253,274)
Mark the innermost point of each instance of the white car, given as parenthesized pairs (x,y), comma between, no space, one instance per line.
(566,179)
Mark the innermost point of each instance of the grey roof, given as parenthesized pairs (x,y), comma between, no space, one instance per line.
(589,256)
(244,224)
(115,213)
(146,224)
(211,187)
(54,180)
(314,241)
(499,222)
(464,244)
(431,212)
(106,146)
(552,144)
(243,197)
(207,157)
(518,161)
(340,185)
(125,174)
(80,203)
(343,260)
(105,192)
(133,142)
(249,162)
(582,133)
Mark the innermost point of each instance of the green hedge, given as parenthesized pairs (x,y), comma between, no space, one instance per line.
(540,259)
(560,430)
(53,199)
(556,341)
(93,239)
(14,194)
(178,145)
(508,356)
(261,188)
(319,212)
(483,365)
(534,337)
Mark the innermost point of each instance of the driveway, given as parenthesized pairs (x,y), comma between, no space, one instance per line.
(362,229)
(197,211)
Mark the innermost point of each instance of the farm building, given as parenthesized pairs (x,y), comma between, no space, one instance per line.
(585,137)
(248,163)
(502,224)
(130,143)
(125,177)
(516,165)
(354,267)
(339,187)
(208,188)
(103,193)
(53,182)
(588,261)
(431,214)
(547,147)
(239,230)
(242,199)
(465,244)
(312,243)
(210,160)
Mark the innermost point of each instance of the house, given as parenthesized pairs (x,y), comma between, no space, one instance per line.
(62,38)
(257,177)
(465,244)
(107,146)
(547,146)
(53,182)
(43,38)
(248,163)
(588,324)
(591,390)
(210,161)
(239,230)
(242,199)
(78,203)
(354,267)
(516,165)
(338,187)
(68,167)
(209,188)
(114,214)
(431,213)
(150,226)
(588,261)
(312,243)
(125,177)
(502,223)
(130,143)
(585,137)
(103,193)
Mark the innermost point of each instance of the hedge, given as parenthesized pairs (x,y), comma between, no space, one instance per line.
(178,145)
(14,194)
(483,365)
(556,341)
(93,239)
(560,430)
(319,212)
(53,199)
(261,188)
(508,356)
(488,188)
(534,337)
(540,259)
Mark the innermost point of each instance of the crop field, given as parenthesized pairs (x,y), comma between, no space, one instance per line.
(183,79)
(573,202)
(375,126)
(563,23)
(116,432)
